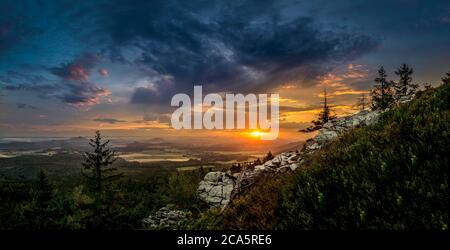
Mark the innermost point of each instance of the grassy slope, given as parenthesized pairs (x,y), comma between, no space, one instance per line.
(391,175)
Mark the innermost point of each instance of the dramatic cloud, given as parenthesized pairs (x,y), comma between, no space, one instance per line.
(77,70)
(25,106)
(155,117)
(72,85)
(109,120)
(75,76)
(103,72)
(245,46)
(13,29)
(346,80)
(17,81)
(83,94)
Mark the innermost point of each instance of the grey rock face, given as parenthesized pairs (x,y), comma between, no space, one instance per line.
(215,189)
(164,218)
(338,126)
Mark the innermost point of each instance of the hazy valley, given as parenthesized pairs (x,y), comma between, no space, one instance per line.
(21,158)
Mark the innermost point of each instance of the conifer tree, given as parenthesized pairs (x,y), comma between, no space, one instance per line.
(44,189)
(38,213)
(446,78)
(363,102)
(99,173)
(382,94)
(98,163)
(268,157)
(325,115)
(404,86)
(426,85)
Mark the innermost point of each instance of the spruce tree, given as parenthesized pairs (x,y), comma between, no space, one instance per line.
(404,87)
(363,102)
(44,189)
(446,78)
(98,164)
(268,157)
(108,204)
(325,115)
(38,214)
(426,86)
(382,94)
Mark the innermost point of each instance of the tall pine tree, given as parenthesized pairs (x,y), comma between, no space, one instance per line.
(446,78)
(98,164)
(44,189)
(268,157)
(108,203)
(404,87)
(38,215)
(363,102)
(325,115)
(382,94)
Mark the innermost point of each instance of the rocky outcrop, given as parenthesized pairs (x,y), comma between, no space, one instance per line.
(218,188)
(164,218)
(215,189)
(338,126)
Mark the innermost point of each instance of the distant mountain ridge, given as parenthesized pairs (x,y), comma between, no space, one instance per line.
(71,143)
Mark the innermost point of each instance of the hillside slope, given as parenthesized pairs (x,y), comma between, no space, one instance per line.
(390,175)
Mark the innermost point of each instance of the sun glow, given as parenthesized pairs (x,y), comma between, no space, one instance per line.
(256,134)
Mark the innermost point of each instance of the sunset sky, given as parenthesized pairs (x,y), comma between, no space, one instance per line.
(68,68)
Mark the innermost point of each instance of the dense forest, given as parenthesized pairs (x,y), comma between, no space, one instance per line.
(118,202)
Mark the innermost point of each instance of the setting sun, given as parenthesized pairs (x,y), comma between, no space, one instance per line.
(255,133)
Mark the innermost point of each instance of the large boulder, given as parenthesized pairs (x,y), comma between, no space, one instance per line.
(218,188)
(215,189)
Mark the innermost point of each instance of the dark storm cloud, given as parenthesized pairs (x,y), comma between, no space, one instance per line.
(161,118)
(75,76)
(398,17)
(235,46)
(13,29)
(82,93)
(77,70)
(18,81)
(72,85)
(108,120)
(103,72)
(238,46)
(25,106)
